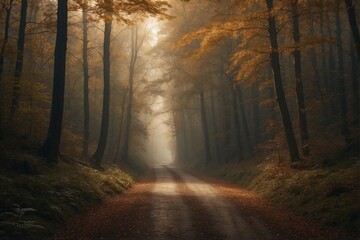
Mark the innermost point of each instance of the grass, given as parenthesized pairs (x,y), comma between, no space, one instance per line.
(37,199)
(329,194)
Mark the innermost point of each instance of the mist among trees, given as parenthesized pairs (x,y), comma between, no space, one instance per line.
(201,84)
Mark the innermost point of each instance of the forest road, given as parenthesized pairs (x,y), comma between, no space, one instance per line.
(173,204)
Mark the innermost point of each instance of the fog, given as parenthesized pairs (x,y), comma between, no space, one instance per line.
(162,86)
(158,145)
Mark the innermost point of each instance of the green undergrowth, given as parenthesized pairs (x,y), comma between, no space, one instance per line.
(36,199)
(329,194)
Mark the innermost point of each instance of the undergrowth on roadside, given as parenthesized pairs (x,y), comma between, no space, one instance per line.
(37,199)
(328,194)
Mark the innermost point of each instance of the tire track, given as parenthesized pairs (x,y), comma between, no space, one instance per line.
(171,216)
(226,219)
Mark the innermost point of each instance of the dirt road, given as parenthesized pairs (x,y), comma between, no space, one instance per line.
(172,204)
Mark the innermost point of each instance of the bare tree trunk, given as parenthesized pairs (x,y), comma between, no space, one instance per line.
(134,54)
(215,127)
(235,108)
(332,80)
(317,77)
(354,26)
(355,91)
(50,148)
(6,37)
(299,84)
(247,152)
(325,77)
(280,94)
(185,138)
(19,59)
(117,154)
(205,128)
(341,82)
(99,153)
(86,82)
(2,56)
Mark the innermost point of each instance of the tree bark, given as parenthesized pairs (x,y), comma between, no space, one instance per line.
(304,135)
(341,82)
(99,153)
(354,26)
(205,128)
(86,82)
(134,54)
(117,154)
(215,127)
(19,59)
(247,152)
(280,94)
(355,91)
(235,107)
(50,148)
(6,37)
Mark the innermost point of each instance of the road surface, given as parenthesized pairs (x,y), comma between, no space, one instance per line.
(172,204)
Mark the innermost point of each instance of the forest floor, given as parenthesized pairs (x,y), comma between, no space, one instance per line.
(36,199)
(171,204)
(327,193)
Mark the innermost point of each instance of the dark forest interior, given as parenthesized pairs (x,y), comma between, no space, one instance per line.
(104,97)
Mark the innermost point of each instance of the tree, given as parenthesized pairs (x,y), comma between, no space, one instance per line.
(99,153)
(50,148)
(280,94)
(124,12)
(19,58)
(205,127)
(341,81)
(298,78)
(86,78)
(354,26)
(7,8)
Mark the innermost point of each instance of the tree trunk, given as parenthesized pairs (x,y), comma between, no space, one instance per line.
(341,82)
(2,56)
(117,154)
(325,77)
(332,81)
(355,92)
(86,82)
(99,153)
(185,138)
(304,135)
(6,38)
(239,149)
(354,26)
(19,59)
(134,53)
(50,148)
(280,94)
(317,77)
(215,127)
(247,152)
(205,128)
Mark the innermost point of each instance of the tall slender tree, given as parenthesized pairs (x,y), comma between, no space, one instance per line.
(85,63)
(7,8)
(354,26)
(280,94)
(205,128)
(298,78)
(341,81)
(100,150)
(134,56)
(19,58)
(50,148)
